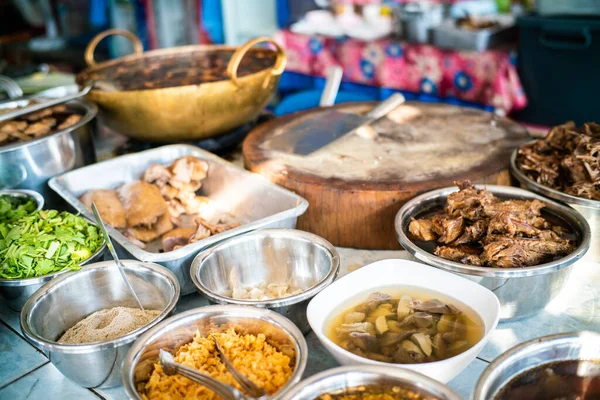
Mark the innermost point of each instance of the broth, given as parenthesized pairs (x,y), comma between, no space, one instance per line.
(405,325)
(562,380)
(373,392)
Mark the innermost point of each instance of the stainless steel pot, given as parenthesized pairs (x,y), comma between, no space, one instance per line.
(15,292)
(590,209)
(69,298)
(536,352)
(304,260)
(180,329)
(29,165)
(24,193)
(338,379)
(521,291)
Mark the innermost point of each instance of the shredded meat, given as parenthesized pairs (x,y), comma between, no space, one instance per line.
(477,228)
(567,159)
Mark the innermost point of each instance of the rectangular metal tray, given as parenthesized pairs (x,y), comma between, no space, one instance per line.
(254,201)
(448,36)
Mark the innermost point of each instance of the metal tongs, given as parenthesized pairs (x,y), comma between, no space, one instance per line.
(170,367)
(42,105)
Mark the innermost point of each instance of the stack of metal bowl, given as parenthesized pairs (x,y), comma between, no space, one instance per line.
(68,299)
(590,209)
(304,260)
(513,286)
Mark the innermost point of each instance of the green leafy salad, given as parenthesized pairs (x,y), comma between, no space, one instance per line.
(36,243)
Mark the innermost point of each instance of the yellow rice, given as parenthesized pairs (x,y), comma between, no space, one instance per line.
(250,354)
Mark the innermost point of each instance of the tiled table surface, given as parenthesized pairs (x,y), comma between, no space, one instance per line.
(25,373)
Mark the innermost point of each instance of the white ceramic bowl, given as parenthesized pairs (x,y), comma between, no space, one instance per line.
(386,274)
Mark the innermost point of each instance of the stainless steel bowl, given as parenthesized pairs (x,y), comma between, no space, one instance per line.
(28,194)
(590,209)
(521,291)
(562,347)
(302,259)
(68,299)
(338,379)
(15,292)
(181,328)
(29,165)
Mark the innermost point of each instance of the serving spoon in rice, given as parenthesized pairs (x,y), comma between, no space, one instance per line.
(170,367)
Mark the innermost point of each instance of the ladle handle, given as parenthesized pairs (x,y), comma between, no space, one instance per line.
(91,47)
(239,54)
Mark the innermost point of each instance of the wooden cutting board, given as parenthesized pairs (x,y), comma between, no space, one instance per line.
(356,185)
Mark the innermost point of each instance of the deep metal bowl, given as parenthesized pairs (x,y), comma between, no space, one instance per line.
(526,356)
(15,292)
(521,291)
(27,194)
(303,259)
(338,379)
(29,165)
(69,298)
(181,328)
(590,209)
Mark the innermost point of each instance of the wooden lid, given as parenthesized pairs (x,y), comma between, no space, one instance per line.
(418,146)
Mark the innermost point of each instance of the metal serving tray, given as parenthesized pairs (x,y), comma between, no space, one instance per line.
(254,201)
(449,36)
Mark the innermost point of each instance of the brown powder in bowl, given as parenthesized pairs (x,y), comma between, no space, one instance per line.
(108,324)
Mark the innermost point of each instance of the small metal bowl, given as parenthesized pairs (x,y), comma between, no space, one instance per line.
(15,292)
(24,193)
(69,298)
(590,209)
(180,329)
(341,378)
(526,356)
(513,286)
(303,259)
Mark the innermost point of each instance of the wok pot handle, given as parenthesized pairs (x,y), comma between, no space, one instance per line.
(236,59)
(91,47)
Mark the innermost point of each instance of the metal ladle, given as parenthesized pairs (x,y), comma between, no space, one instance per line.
(111,248)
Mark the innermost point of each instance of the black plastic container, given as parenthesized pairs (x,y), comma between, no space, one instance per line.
(559,67)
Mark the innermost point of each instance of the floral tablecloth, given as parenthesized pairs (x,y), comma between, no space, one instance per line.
(489,78)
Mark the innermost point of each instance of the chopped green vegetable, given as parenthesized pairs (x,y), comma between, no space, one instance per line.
(12,207)
(44,242)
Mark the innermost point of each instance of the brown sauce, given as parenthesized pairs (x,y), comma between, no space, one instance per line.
(376,392)
(562,380)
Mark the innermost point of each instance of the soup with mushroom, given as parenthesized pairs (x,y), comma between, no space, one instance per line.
(406,325)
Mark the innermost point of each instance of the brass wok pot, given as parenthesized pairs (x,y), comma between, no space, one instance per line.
(182,93)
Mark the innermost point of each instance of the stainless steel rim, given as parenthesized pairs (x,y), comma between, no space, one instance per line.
(387,371)
(35,196)
(239,311)
(407,212)
(520,351)
(198,263)
(88,348)
(41,279)
(546,191)
(90,113)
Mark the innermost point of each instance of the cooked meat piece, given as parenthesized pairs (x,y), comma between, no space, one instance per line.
(510,224)
(188,187)
(38,128)
(216,228)
(176,237)
(575,169)
(109,206)
(143,204)
(162,225)
(514,253)
(70,121)
(364,341)
(13,126)
(3,137)
(157,174)
(448,229)
(418,320)
(460,254)
(472,233)
(187,169)
(422,229)
(175,209)
(61,108)
(202,232)
(46,112)
(585,189)
(468,200)
(167,191)
(514,206)
(133,240)
(193,204)
(434,306)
